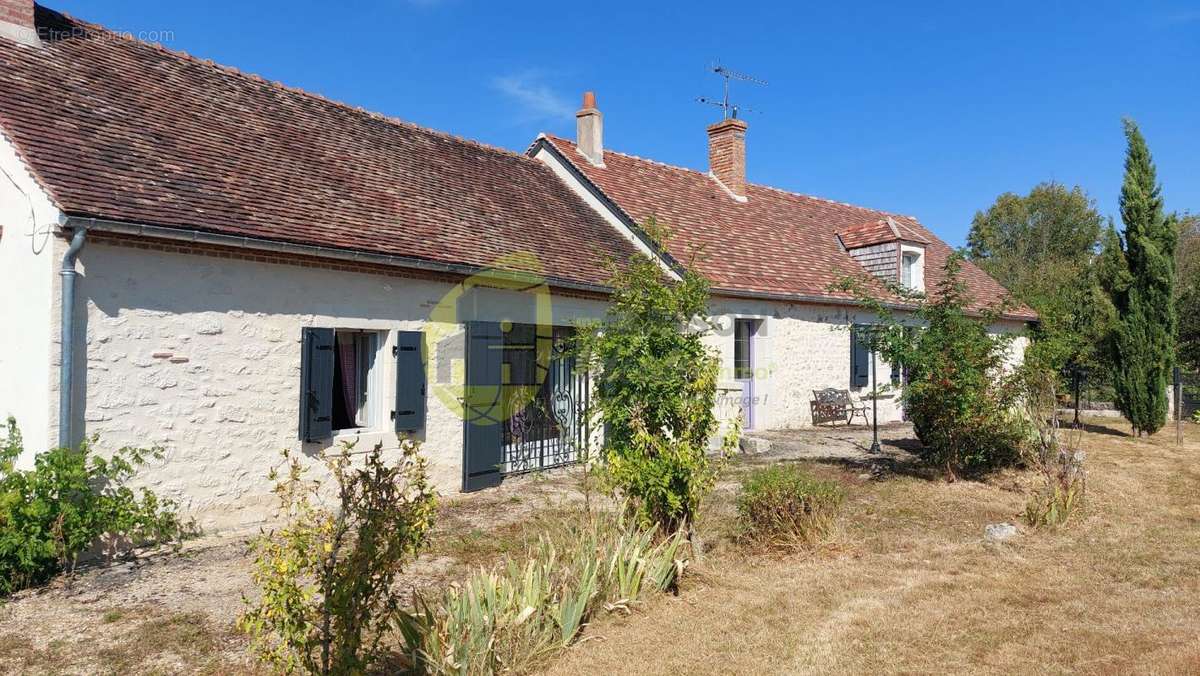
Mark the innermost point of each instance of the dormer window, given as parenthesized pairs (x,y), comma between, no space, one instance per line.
(887,251)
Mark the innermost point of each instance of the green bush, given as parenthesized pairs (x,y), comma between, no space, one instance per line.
(512,617)
(960,394)
(656,384)
(326,576)
(68,502)
(783,506)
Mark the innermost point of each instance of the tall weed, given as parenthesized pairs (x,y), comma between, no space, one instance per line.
(512,617)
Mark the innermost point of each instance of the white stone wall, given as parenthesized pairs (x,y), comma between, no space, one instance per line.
(28,261)
(201,356)
(801,348)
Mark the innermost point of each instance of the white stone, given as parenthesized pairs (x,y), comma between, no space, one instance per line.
(999,532)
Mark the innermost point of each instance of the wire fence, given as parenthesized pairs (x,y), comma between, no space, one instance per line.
(1096,394)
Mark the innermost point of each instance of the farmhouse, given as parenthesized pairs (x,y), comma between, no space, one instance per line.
(199,259)
(771,256)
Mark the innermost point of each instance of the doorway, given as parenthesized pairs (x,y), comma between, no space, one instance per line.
(525,402)
(744,333)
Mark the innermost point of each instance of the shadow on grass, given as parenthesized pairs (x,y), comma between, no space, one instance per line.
(881,467)
(1099,429)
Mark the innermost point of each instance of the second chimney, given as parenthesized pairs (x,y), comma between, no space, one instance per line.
(727,155)
(589,130)
(16,21)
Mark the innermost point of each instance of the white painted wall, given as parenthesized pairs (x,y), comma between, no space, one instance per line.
(201,356)
(801,348)
(798,349)
(27,281)
(225,401)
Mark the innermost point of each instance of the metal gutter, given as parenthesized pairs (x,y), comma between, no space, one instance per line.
(836,302)
(66,368)
(315,251)
(354,256)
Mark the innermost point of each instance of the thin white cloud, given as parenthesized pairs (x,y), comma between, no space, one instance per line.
(1185,16)
(535,98)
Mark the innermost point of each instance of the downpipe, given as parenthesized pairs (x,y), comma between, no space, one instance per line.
(66,372)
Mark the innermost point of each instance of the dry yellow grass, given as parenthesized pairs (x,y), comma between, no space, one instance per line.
(908,585)
(911,586)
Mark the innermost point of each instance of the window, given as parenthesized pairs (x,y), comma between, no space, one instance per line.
(907,270)
(743,348)
(353,367)
(341,384)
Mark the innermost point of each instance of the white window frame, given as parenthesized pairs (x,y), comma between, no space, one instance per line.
(917,254)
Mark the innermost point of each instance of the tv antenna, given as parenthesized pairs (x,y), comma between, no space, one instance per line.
(730,109)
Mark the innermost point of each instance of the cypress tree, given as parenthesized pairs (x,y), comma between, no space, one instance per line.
(1139,275)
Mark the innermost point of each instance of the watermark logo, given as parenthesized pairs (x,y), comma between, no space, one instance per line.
(514,341)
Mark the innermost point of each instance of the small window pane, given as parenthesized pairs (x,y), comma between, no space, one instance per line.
(353,363)
(742,360)
(908,262)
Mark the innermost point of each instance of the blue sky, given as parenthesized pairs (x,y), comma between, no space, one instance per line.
(930,112)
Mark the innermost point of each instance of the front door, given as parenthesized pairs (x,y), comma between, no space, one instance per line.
(744,331)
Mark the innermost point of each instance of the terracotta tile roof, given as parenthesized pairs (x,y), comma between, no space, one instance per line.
(123,130)
(878,231)
(777,242)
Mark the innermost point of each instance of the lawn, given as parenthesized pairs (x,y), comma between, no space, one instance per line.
(908,584)
(911,585)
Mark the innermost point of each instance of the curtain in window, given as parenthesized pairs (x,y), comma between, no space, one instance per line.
(347,356)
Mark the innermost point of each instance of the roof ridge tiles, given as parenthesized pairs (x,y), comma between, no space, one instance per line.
(764,186)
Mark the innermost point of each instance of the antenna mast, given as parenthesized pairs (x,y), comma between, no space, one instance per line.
(729,109)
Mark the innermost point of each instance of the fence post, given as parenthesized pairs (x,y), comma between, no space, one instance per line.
(1178,406)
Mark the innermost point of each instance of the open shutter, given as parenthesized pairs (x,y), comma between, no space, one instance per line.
(409,414)
(860,359)
(316,385)
(483,414)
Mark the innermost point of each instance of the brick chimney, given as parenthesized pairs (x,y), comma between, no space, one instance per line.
(727,155)
(589,130)
(16,21)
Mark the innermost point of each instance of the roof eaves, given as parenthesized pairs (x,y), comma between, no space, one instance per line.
(160,232)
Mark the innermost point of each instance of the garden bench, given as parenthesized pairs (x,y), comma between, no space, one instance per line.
(832,405)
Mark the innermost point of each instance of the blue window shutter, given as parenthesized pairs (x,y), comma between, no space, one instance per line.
(409,414)
(860,359)
(316,384)
(483,422)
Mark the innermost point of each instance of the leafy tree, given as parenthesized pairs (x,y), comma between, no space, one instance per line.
(960,394)
(1187,291)
(1138,271)
(1042,247)
(655,389)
